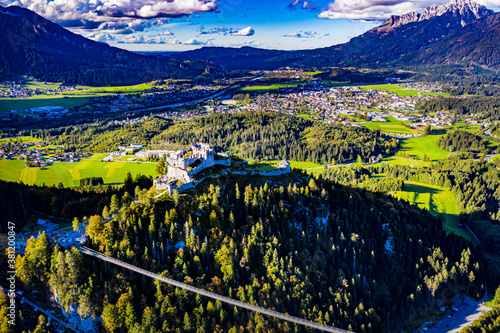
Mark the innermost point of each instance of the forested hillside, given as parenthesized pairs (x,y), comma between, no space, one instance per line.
(103,138)
(477,190)
(327,253)
(463,141)
(486,107)
(270,135)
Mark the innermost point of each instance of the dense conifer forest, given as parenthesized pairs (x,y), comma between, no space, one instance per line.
(337,255)
(463,141)
(486,107)
(270,135)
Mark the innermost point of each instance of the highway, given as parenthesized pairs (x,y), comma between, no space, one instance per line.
(209,294)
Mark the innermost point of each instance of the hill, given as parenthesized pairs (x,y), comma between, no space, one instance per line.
(310,248)
(270,135)
(32,45)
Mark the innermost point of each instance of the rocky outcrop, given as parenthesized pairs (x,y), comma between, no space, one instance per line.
(463,11)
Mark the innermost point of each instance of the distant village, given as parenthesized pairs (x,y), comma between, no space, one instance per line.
(38,154)
(100,103)
(347,106)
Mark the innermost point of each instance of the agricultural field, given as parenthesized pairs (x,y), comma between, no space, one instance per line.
(69,174)
(7,104)
(392,125)
(400,90)
(438,200)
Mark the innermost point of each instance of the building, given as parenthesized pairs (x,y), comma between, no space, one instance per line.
(183,164)
(283,164)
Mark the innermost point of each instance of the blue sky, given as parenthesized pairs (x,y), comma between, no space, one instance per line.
(175,25)
(273,26)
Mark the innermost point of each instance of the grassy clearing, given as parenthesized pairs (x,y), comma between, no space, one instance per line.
(97,156)
(7,104)
(272,87)
(424,145)
(398,160)
(313,73)
(11,170)
(69,174)
(392,125)
(400,90)
(261,167)
(300,165)
(23,139)
(439,201)
(29,175)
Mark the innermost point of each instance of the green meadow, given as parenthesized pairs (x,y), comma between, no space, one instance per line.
(69,174)
(271,87)
(299,165)
(398,160)
(7,104)
(23,139)
(392,125)
(400,90)
(424,145)
(439,201)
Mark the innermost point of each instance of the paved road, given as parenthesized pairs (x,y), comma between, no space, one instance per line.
(48,314)
(176,105)
(468,311)
(490,156)
(215,296)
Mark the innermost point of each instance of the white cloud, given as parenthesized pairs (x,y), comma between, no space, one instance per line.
(310,33)
(293,34)
(130,26)
(166,33)
(248,31)
(63,10)
(103,38)
(378,9)
(194,41)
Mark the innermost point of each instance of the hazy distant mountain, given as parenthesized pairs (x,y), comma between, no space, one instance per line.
(404,40)
(32,45)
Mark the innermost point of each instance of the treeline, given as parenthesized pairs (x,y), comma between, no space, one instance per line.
(304,247)
(92,181)
(476,188)
(384,184)
(270,135)
(18,201)
(102,137)
(486,106)
(352,175)
(463,141)
(477,88)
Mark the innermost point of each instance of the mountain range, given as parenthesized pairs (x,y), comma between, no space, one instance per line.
(461,32)
(31,45)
